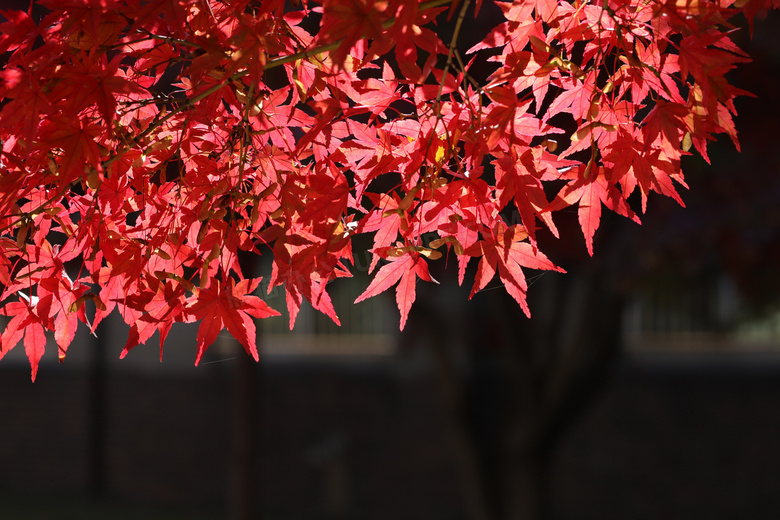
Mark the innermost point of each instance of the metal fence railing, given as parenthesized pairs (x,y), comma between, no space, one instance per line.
(707,316)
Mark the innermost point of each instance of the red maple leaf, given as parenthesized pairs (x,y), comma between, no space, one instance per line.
(18,32)
(504,250)
(228,305)
(76,140)
(162,305)
(591,193)
(406,266)
(26,321)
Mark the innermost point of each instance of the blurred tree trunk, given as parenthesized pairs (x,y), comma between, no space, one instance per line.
(244,500)
(525,489)
(522,383)
(98,415)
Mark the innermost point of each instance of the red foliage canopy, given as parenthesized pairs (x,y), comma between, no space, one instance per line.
(146,144)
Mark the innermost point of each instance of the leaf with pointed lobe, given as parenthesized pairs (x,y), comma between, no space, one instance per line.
(503,249)
(231,306)
(518,179)
(404,269)
(26,323)
(34,345)
(162,304)
(18,32)
(590,193)
(651,169)
(93,82)
(348,22)
(77,142)
(64,294)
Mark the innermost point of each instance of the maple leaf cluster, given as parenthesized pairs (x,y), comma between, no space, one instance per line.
(147,146)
